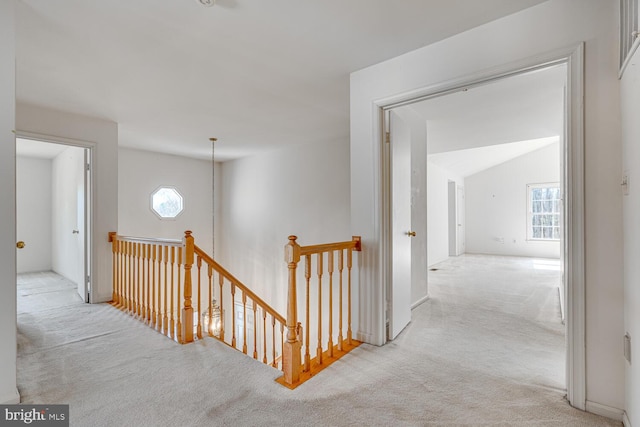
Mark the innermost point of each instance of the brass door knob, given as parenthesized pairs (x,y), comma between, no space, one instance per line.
(411,233)
(20,244)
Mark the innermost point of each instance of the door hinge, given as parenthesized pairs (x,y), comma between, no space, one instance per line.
(88,167)
(387,138)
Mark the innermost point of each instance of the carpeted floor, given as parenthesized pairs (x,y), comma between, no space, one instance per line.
(486,349)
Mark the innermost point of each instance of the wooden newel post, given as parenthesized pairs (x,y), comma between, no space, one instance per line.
(113,239)
(187,311)
(291,357)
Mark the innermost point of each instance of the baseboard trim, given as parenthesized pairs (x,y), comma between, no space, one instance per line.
(420,301)
(625,419)
(363,337)
(605,411)
(11,398)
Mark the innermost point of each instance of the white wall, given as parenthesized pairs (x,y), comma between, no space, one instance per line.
(8,390)
(56,126)
(302,190)
(496,205)
(630,94)
(67,194)
(140,173)
(33,204)
(537,31)
(438,211)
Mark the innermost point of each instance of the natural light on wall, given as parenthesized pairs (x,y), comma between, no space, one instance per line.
(166,202)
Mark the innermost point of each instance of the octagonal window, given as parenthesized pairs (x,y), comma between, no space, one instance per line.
(166,202)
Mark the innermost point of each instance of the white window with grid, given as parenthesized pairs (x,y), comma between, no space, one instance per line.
(543,211)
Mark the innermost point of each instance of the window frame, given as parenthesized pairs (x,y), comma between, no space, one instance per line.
(531,214)
(158,214)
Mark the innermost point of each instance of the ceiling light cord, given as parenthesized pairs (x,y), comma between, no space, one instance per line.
(213,197)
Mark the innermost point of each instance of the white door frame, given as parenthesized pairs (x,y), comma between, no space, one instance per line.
(573,191)
(89,208)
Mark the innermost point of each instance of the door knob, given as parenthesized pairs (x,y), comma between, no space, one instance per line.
(411,233)
(20,244)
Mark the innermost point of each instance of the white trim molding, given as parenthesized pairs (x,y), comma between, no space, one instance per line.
(606,411)
(420,301)
(10,399)
(375,296)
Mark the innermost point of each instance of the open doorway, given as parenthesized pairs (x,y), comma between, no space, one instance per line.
(53,221)
(507,122)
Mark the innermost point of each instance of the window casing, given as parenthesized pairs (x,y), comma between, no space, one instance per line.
(166,202)
(543,211)
(628,30)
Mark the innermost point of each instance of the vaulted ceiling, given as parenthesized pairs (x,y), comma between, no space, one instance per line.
(257,74)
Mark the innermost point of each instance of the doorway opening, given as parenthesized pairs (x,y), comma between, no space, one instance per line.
(53,221)
(459,135)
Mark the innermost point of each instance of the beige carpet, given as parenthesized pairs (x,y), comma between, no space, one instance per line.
(486,349)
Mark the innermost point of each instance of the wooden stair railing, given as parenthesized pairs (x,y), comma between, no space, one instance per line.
(256,329)
(338,334)
(148,284)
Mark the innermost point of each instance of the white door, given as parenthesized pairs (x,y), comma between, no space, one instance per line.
(400,150)
(460,249)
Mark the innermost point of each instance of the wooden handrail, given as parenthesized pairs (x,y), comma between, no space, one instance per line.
(353,244)
(150,240)
(237,283)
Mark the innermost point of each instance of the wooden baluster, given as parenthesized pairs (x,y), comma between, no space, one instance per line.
(123,275)
(118,272)
(330,270)
(187,313)
(138,280)
(340,268)
(134,282)
(319,268)
(273,342)
(255,331)
(307,276)
(120,281)
(153,286)
(147,252)
(159,282)
(282,351)
(264,336)
(233,315)
(199,329)
(221,282)
(210,309)
(291,352)
(172,321)
(165,296)
(244,323)
(349,263)
(130,272)
(179,291)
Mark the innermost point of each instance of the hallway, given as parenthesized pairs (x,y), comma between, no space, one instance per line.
(468,357)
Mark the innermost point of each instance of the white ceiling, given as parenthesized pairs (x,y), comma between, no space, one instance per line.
(38,149)
(481,127)
(257,74)
(470,161)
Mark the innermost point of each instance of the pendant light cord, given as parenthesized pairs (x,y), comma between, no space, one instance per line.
(213,197)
